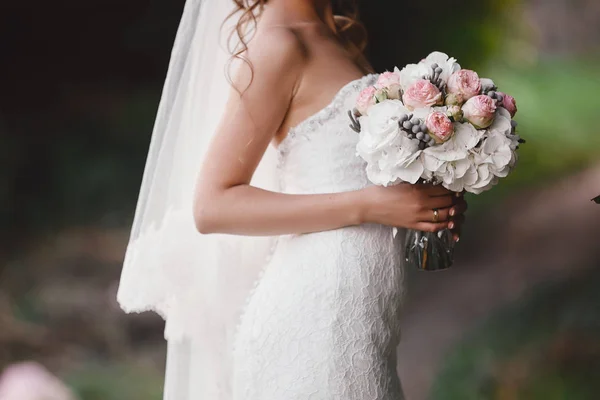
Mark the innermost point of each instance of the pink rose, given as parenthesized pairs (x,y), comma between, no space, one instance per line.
(440,126)
(463,85)
(366,99)
(390,81)
(422,94)
(480,111)
(509,103)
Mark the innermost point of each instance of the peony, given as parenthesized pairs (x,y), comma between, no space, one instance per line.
(422,94)
(509,103)
(366,99)
(390,82)
(480,111)
(440,126)
(463,85)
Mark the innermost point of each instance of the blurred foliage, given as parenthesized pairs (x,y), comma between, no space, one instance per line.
(404,32)
(116,382)
(557,101)
(545,347)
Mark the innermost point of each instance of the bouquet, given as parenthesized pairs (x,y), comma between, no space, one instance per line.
(434,122)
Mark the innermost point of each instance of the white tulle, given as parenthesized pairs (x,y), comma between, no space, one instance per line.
(197,283)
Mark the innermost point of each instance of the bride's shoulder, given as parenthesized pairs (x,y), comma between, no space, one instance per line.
(274,59)
(280,42)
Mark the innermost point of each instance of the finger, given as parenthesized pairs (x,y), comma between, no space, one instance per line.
(438,202)
(459,208)
(434,190)
(455,227)
(456,223)
(456,236)
(429,215)
(431,227)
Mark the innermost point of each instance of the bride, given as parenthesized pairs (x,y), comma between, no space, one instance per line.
(257,234)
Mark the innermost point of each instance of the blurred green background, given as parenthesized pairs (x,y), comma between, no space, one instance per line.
(517,318)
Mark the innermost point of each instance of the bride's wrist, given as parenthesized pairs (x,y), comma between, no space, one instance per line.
(362,205)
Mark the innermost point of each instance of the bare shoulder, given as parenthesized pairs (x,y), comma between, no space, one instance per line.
(274,60)
(279,43)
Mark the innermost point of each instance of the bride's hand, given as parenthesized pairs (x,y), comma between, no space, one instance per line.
(412,206)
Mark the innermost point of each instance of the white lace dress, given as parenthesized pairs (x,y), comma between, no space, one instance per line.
(322,322)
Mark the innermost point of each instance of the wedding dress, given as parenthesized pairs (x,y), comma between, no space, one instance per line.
(319,320)
(322,322)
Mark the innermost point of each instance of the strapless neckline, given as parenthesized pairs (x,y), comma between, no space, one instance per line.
(325,112)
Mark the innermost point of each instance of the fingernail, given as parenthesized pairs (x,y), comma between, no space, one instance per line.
(451,225)
(452,212)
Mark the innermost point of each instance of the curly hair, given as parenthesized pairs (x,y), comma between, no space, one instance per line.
(349,29)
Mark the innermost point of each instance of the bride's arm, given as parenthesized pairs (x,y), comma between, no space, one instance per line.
(226,203)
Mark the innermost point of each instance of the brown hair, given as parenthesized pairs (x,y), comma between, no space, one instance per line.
(349,29)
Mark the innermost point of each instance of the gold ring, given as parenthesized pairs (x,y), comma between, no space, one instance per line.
(436,215)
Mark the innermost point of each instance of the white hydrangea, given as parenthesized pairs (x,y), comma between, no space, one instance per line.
(391,156)
(451,163)
(413,72)
(449,65)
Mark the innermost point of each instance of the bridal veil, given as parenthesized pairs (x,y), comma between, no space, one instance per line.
(197,283)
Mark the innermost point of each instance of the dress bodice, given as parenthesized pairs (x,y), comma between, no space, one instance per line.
(319,154)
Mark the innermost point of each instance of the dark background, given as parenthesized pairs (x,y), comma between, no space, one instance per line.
(517,318)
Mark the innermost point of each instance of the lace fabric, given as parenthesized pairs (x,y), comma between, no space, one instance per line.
(322,321)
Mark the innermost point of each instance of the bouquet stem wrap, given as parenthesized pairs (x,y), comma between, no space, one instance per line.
(428,251)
